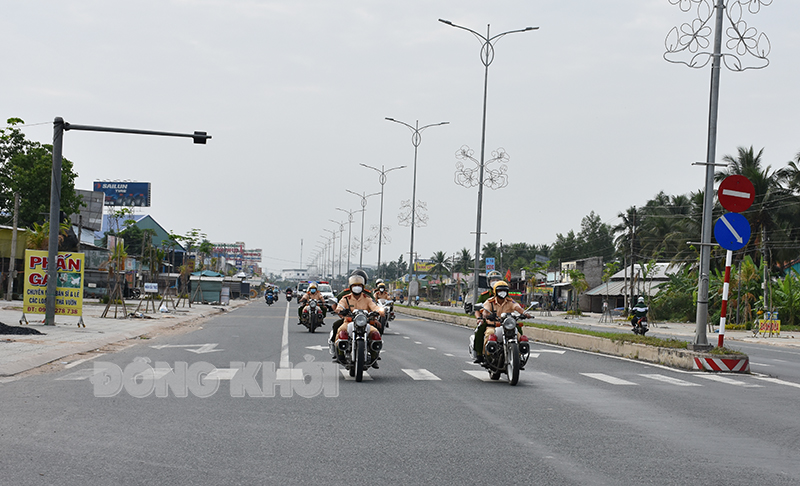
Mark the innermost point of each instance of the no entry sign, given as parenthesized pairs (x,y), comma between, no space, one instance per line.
(736,193)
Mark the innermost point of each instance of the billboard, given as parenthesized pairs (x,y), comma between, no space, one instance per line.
(90,216)
(69,289)
(124,193)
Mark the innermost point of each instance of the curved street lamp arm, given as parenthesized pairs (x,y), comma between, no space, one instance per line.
(479,36)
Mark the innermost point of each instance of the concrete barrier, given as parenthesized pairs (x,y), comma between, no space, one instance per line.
(676,358)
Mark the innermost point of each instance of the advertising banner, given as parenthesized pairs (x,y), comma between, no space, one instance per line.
(124,193)
(69,289)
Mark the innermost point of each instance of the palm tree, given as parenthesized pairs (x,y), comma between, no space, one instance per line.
(441,268)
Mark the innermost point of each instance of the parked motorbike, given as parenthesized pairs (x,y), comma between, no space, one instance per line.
(639,324)
(507,351)
(312,316)
(357,349)
(270,298)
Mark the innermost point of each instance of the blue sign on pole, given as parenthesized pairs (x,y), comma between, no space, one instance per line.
(489,264)
(732,231)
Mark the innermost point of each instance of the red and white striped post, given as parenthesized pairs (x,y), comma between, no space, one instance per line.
(724,310)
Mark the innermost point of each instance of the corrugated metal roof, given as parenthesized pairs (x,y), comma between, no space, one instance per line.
(619,288)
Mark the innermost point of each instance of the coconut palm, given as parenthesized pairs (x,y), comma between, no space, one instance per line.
(440,268)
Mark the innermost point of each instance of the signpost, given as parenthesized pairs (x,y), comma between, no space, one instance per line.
(489,264)
(732,231)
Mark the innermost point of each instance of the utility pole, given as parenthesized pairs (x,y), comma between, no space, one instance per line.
(13,258)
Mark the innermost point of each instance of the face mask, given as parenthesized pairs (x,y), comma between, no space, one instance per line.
(502,294)
(357,289)
(313,291)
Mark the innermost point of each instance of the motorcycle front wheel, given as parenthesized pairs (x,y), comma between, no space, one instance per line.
(512,366)
(360,359)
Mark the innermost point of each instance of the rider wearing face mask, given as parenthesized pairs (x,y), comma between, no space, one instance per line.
(380,291)
(356,300)
(312,293)
(480,327)
(497,305)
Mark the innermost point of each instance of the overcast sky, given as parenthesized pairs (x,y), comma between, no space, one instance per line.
(295,94)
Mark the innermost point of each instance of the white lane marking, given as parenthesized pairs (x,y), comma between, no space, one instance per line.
(417,342)
(448,354)
(431,348)
(421,375)
(284,363)
(76,363)
(547,378)
(557,351)
(776,381)
(480,374)
(727,381)
(609,379)
(534,355)
(669,379)
(406,337)
(347,376)
(758,364)
(78,375)
(9,379)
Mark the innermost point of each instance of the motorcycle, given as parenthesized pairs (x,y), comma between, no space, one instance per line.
(388,315)
(289,295)
(357,349)
(639,324)
(507,351)
(270,298)
(312,316)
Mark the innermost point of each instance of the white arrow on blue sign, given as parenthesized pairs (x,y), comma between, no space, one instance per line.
(732,231)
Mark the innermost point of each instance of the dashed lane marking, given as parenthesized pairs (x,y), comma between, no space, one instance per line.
(669,379)
(728,381)
(421,375)
(609,379)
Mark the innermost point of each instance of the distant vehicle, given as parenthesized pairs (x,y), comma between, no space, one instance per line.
(301,289)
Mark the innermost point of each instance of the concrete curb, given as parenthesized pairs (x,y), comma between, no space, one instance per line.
(676,358)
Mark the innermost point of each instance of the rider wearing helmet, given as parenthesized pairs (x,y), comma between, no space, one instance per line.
(361,273)
(480,327)
(312,293)
(380,291)
(638,311)
(356,300)
(497,305)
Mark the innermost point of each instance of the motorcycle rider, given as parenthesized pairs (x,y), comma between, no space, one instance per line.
(380,291)
(639,312)
(269,292)
(312,293)
(480,327)
(356,300)
(497,305)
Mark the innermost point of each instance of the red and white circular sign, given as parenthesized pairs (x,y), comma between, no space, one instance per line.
(736,193)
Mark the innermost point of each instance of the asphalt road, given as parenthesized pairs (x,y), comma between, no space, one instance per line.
(428,415)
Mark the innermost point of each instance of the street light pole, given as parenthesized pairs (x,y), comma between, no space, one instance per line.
(59,127)
(349,232)
(333,248)
(341,231)
(382,179)
(487,56)
(363,197)
(416,139)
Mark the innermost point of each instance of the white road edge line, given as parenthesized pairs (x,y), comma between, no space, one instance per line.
(76,363)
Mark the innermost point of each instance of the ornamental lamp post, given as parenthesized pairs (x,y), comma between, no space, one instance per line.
(363,197)
(382,179)
(487,56)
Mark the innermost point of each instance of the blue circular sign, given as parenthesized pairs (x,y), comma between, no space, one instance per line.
(732,231)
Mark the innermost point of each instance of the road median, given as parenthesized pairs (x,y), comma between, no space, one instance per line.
(672,357)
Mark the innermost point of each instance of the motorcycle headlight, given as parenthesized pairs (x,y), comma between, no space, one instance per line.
(509,324)
(360,321)
(313,304)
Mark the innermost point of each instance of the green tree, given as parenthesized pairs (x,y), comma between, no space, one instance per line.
(440,269)
(26,168)
(579,285)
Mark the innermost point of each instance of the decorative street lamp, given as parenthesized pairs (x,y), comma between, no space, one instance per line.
(349,232)
(688,40)
(363,197)
(382,179)
(416,139)
(341,231)
(59,127)
(487,56)
(333,248)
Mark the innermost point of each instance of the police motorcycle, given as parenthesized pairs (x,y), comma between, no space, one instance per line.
(269,296)
(388,306)
(507,351)
(357,348)
(312,316)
